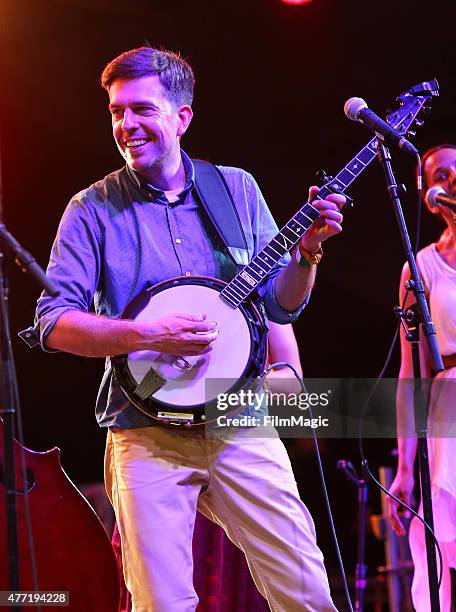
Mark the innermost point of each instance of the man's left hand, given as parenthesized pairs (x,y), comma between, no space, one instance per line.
(329,224)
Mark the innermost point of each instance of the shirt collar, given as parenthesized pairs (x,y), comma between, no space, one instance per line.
(154,193)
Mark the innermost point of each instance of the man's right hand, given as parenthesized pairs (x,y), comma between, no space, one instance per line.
(179,334)
(91,335)
(402,488)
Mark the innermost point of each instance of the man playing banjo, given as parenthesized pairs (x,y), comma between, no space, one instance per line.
(140,226)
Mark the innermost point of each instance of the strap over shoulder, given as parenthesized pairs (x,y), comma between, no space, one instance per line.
(218,203)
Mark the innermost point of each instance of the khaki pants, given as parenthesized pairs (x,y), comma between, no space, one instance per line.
(157,478)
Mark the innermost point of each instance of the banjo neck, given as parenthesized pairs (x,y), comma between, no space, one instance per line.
(248,279)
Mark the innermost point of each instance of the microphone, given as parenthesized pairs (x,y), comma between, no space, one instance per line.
(356,109)
(436,196)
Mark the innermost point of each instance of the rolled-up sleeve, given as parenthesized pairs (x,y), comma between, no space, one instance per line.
(264,229)
(74,267)
(274,311)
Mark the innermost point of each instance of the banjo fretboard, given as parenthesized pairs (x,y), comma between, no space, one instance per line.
(248,279)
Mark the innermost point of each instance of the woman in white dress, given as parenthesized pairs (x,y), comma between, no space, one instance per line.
(437,266)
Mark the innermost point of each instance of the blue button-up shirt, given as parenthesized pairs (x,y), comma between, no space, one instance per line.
(121,236)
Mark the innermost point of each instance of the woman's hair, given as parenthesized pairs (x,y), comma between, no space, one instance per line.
(425,186)
(426,155)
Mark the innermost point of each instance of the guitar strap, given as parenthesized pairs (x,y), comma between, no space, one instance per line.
(217,201)
(216,198)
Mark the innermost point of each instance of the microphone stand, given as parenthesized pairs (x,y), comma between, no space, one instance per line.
(8,391)
(361,568)
(7,410)
(8,396)
(420,408)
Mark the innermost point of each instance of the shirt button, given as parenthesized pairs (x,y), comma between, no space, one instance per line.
(188,273)
(178,240)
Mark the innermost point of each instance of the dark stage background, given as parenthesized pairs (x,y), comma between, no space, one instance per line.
(272,80)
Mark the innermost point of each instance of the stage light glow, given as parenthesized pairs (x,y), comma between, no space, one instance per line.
(296,2)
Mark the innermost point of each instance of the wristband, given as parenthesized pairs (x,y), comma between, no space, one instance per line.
(307,259)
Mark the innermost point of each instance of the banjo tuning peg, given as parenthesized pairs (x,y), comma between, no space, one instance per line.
(323,177)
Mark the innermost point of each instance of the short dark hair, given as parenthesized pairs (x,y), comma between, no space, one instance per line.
(175,73)
(426,155)
(425,186)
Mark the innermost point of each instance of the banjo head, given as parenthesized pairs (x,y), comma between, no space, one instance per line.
(178,389)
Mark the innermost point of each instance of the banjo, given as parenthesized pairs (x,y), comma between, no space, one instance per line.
(175,390)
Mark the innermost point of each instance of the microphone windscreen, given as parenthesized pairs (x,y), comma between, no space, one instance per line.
(432,193)
(352,107)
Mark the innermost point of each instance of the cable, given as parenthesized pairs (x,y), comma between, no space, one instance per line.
(419,207)
(322,479)
(9,362)
(365,463)
(364,460)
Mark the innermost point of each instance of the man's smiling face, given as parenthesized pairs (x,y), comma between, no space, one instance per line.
(146,125)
